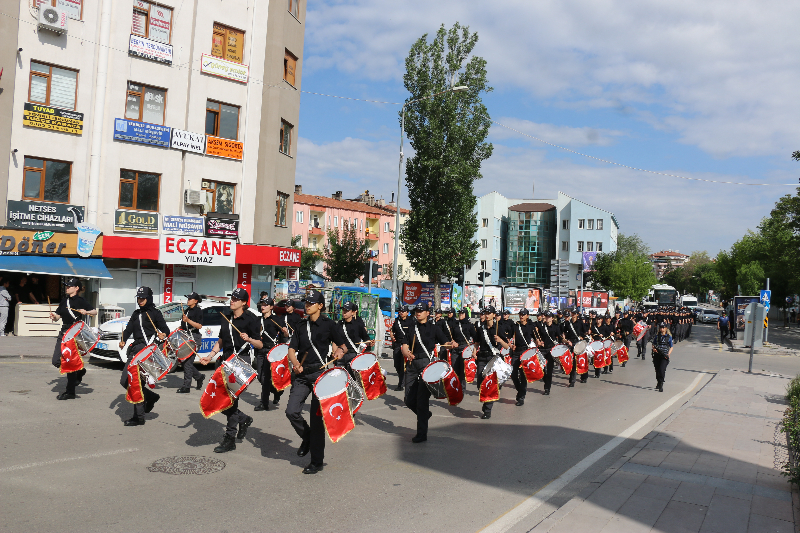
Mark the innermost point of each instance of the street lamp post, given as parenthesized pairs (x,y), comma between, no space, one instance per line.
(399,178)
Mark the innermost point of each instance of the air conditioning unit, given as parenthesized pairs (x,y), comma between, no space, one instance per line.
(191,197)
(52,18)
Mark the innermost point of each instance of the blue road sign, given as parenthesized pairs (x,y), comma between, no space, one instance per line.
(765,296)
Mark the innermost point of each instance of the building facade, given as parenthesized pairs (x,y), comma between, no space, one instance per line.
(666,260)
(156,121)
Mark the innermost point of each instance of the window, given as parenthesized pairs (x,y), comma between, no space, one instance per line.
(329,221)
(73,8)
(289,67)
(565,246)
(484,243)
(219,196)
(286,137)
(590,224)
(145,104)
(485,222)
(222,120)
(581,223)
(497,224)
(599,247)
(335,222)
(294,8)
(580,246)
(152,21)
(313,243)
(590,246)
(483,265)
(599,223)
(386,248)
(565,224)
(53,86)
(138,190)
(281,201)
(227,43)
(386,227)
(298,216)
(46,180)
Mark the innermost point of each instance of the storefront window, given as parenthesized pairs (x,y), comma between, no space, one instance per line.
(150,264)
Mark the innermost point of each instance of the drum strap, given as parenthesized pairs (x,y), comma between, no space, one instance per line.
(462,333)
(419,337)
(486,336)
(69,310)
(527,343)
(264,332)
(344,327)
(573,329)
(245,345)
(141,327)
(308,329)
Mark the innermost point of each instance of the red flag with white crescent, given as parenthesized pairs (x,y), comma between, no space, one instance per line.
(336,416)
(372,381)
(470,370)
(490,390)
(216,396)
(70,357)
(135,394)
(280,374)
(453,389)
(566,361)
(608,360)
(622,354)
(599,359)
(581,363)
(532,368)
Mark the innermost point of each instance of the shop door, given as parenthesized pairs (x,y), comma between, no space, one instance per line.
(121,290)
(153,280)
(180,289)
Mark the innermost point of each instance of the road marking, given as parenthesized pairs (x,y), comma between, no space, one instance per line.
(515,515)
(24,362)
(55,461)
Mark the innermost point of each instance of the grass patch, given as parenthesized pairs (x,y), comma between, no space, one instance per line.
(791,426)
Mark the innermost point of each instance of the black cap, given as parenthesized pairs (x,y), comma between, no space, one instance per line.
(266,301)
(314,297)
(404,308)
(349,306)
(662,324)
(462,311)
(72,282)
(422,306)
(575,312)
(524,312)
(506,312)
(448,310)
(144,292)
(489,309)
(240,294)
(194,296)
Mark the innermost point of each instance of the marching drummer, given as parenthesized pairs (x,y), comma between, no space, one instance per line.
(463,335)
(418,349)
(607,331)
(236,335)
(625,328)
(145,325)
(68,311)
(573,330)
(292,317)
(400,329)
(550,334)
(272,327)
(490,339)
(523,336)
(191,322)
(310,353)
(506,324)
(354,333)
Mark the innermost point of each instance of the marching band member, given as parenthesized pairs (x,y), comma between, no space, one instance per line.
(418,348)
(145,325)
(596,331)
(625,329)
(662,350)
(232,342)
(66,311)
(355,332)
(573,332)
(292,319)
(400,329)
(191,322)
(272,328)
(550,333)
(523,336)
(312,342)
(490,338)
(506,324)
(463,335)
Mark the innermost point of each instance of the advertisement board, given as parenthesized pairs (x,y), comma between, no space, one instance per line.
(415,292)
(472,296)
(216,66)
(147,49)
(178,225)
(50,243)
(223,228)
(515,298)
(135,221)
(188,141)
(224,148)
(179,250)
(52,118)
(141,132)
(588,261)
(44,215)
(593,300)
(740,304)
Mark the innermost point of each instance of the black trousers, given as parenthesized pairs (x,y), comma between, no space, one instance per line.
(609,367)
(233,414)
(458,364)
(399,364)
(723,332)
(548,371)
(73,378)
(486,407)
(660,364)
(189,370)
(345,361)
(518,376)
(574,372)
(265,377)
(147,392)
(302,386)
(417,396)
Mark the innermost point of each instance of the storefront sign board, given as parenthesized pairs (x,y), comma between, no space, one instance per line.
(141,132)
(135,221)
(46,243)
(141,47)
(177,225)
(44,215)
(223,68)
(196,251)
(52,118)
(224,148)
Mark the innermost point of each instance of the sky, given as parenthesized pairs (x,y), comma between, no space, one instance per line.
(705,90)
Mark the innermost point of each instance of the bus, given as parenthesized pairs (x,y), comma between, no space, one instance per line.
(662,294)
(687,300)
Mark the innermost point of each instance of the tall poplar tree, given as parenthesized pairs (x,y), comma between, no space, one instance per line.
(448,133)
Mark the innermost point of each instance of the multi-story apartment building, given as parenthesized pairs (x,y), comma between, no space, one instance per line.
(667,259)
(169,126)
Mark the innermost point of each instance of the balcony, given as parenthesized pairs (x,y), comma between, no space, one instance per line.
(316,228)
(370,235)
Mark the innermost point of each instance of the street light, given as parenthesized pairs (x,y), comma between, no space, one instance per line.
(399,177)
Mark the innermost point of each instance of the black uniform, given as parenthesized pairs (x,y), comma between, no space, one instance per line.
(141,329)
(488,347)
(400,330)
(417,395)
(292,321)
(68,318)
(354,333)
(549,335)
(464,335)
(626,330)
(271,336)
(231,343)
(195,314)
(572,332)
(661,347)
(523,335)
(315,350)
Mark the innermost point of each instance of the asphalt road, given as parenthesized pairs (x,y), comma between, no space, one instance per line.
(72,466)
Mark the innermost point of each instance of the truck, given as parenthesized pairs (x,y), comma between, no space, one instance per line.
(687,300)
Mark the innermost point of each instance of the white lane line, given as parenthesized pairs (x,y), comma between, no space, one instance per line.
(55,461)
(512,517)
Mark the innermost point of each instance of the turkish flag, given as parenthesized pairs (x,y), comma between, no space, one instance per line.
(70,357)
(216,396)
(607,353)
(452,388)
(470,369)
(566,361)
(135,394)
(372,381)
(490,390)
(599,359)
(336,416)
(582,363)
(280,374)
(533,369)
(622,354)
(507,359)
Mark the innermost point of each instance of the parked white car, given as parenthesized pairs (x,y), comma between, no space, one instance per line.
(708,316)
(111,332)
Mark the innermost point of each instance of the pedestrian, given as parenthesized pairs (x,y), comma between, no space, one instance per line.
(5,301)
(722,326)
(662,350)
(732,324)
(191,322)
(68,311)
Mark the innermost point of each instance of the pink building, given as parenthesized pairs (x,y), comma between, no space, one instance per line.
(314,215)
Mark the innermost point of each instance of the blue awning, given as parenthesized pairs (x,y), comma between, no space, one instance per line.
(60,266)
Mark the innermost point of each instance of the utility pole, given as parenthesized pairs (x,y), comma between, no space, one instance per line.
(766,318)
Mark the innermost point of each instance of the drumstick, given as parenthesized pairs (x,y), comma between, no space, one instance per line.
(231,323)
(49,306)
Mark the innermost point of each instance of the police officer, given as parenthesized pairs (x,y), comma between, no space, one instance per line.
(400,328)
(463,335)
(238,335)
(273,332)
(309,352)
(354,333)
(418,348)
(191,322)
(68,312)
(145,325)
(662,350)
(490,340)
(523,337)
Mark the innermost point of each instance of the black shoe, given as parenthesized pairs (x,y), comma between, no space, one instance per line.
(183,390)
(519,402)
(547,392)
(312,469)
(610,370)
(277,399)
(262,407)
(66,396)
(134,422)
(595,376)
(584,380)
(200,382)
(399,387)
(228,444)
(243,428)
(623,364)
(571,384)
(416,439)
(486,416)
(148,405)
(605,371)
(660,386)
(304,446)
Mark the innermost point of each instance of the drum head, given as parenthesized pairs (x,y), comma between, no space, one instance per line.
(607,343)
(618,345)
(363,361)
(144,354)
(580,347)
(504,351)
(278,353)
(596,346)
(468,352)
(435,371)
(559,350)
(527,354)
(73,331)
(331,383)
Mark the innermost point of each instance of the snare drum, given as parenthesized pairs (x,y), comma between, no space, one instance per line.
(85,337)
(620,351)
(579,348)
(468,352)
(597,353)
(369,371)
(278,361)
(181,344)
(153,361)
(434,376)
(498,365)
(564,356)
(640,329)
(607,345)
(533,364)
(335,381)
(241,371)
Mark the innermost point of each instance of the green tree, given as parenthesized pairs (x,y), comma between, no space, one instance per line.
(627,271)
(631,244)
(345,254)
(750,278)
(448,133)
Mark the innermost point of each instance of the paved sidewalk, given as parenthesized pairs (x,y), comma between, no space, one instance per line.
(713,466)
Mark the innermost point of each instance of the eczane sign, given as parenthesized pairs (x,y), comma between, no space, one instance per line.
(178,250)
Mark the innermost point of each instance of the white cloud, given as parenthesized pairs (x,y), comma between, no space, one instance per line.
(561,135)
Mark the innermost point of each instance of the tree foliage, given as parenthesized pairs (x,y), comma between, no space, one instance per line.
(627,271)
(448,133)
(345,254)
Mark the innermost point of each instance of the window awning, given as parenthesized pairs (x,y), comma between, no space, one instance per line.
(60,266)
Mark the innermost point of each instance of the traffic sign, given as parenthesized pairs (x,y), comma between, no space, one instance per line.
(765,296)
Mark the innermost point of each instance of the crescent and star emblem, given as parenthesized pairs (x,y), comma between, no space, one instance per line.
(277,368)
(451,383)
(66,351)
(330,411)
(372,378)
(488,382)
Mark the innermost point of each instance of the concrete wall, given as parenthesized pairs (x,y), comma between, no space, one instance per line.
(9,30)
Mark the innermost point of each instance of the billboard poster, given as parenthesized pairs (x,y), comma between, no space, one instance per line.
(593,300)
(740,304)
(472,296)
(515,298)
(588,261)
(415,292)
(493,295)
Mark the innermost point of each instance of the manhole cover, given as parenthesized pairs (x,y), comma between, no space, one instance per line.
(187,464)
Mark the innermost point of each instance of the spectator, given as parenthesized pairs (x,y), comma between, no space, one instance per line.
(5,300)
(35,291)
(22,292)
(732,323)
(722,326)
